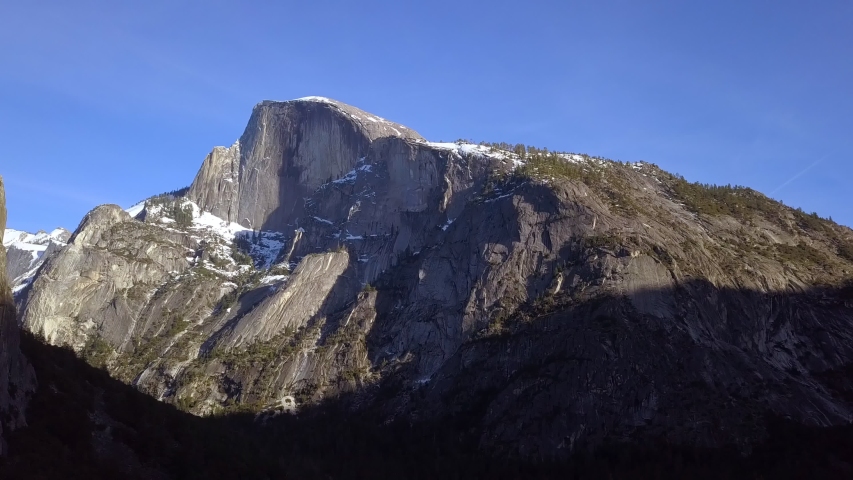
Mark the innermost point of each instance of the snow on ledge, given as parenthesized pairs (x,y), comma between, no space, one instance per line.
(314,99)
(136,209)
(31,241)
(462,149)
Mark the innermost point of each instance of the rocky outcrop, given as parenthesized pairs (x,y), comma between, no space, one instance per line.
(97,285)
(216,186)
(17,380)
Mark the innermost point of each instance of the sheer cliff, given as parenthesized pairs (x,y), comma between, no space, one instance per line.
(548,301)
(16,377)
(288,150)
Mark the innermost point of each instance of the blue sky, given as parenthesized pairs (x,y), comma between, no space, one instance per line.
(104,102)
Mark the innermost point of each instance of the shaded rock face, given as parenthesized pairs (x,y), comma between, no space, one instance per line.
(17,380)
(637,342)
(17,262)
(549,301)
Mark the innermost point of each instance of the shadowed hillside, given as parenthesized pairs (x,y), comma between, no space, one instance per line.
(84,424)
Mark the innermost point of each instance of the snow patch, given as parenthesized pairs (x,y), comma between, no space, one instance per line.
(37,254)
(29,241)
(35,244)
(314,99)
(274,278)
(571,157)
(352,175)
(468,149)
(264,247)
(136,209)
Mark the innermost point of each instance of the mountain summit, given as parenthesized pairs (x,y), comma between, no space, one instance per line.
(288,150)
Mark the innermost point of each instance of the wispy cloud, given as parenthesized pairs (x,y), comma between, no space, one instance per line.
(801,173)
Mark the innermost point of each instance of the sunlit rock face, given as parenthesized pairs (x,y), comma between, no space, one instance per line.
(288,150)
(17,380)
(96,283)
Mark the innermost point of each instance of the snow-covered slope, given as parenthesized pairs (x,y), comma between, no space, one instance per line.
(263,247)
(27,251)
(28,240)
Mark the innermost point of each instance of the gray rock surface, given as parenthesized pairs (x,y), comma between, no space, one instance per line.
(17,379)
(554,301)
(340,176)
(288,150)
(314,288)
(94,283)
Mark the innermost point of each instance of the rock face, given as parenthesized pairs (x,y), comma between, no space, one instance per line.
(288,150)
(550,301)
(86,273)
(17,380)
(342,174)
(314,288)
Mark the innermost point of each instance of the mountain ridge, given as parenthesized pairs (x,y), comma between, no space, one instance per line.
(314,260)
